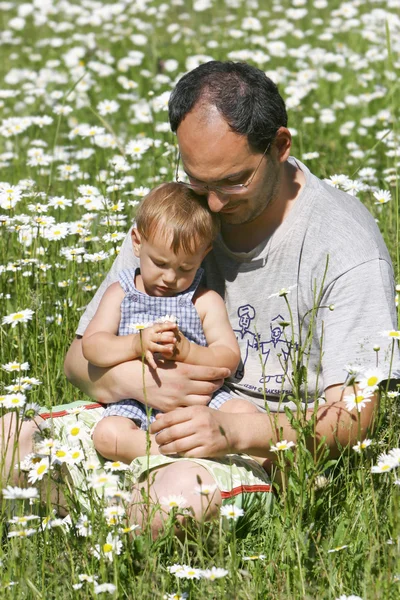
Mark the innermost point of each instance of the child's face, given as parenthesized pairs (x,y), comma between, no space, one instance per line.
(163,272)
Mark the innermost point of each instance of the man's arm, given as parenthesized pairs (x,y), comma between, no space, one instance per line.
(222,349)
(201,431)
(173,385)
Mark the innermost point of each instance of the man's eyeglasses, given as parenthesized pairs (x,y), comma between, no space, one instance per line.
(202,188)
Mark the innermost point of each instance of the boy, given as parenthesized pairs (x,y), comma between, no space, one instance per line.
(174,232)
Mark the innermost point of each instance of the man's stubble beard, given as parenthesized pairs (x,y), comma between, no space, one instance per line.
(271,195)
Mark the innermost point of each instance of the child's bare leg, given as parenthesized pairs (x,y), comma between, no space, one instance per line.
(237,405)
(119,438)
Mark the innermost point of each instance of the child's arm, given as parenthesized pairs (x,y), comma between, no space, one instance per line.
(223,349)
(102,346)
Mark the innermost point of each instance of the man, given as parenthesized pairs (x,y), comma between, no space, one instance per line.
(289,244)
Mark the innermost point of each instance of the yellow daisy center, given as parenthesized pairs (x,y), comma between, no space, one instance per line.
(107,547)
(41,469)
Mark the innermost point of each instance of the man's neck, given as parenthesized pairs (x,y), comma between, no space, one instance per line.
(247,236)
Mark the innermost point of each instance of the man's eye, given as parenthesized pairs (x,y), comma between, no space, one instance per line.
(158,264)
(187,270)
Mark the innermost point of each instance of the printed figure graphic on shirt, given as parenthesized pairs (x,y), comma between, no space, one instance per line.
(246,338)
(279,347)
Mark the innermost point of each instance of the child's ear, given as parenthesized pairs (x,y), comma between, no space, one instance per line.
(207,251)
(136,242)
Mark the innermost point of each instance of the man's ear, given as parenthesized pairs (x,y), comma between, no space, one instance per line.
(136,242)
(283,143)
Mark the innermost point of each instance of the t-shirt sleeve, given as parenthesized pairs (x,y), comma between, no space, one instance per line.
(125,260)
(363,298)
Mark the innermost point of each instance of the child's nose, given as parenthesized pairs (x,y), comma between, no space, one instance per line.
(169,276)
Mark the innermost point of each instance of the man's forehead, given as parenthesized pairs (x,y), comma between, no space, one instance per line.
(209,148)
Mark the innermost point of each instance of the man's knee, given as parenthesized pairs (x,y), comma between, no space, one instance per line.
(181,478)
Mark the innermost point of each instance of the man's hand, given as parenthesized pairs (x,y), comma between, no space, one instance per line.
(196,431)
(173,385)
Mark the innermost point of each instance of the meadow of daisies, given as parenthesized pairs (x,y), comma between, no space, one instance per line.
(83,136)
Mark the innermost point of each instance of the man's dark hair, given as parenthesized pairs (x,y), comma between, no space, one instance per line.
(247,99)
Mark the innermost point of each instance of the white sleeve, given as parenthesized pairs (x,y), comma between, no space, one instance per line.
(125,260)
(364,308)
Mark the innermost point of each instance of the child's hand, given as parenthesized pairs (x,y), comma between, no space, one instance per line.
(181,347)
(161,338)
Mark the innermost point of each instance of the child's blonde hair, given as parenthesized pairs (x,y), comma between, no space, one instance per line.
(176,211)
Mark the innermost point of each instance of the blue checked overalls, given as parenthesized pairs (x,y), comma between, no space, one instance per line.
(138,307)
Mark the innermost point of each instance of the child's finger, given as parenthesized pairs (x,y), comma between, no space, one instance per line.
(167,326)
(150,359)
(167,338)
(167,350)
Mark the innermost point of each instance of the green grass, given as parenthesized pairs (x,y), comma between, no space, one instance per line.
(350,506)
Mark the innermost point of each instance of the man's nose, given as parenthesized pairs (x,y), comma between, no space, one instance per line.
(216,202)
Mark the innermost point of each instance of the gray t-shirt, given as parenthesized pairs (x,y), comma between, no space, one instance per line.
(328,247)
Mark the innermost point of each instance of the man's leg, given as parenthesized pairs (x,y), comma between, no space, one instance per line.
(16,443)
(175,479)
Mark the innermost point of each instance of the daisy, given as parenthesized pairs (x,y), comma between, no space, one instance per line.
(282,445)
(83,526)
(205,490)
(16,366)
(385,463)
(87,578)
(283,292)
(116,466)
(104,587)
(358,400)
(371,379)
(393,334)
(360,446)
(395,455)
(382,196)
(14,400)
(338,548)
(231,511)
(22,533)
(17,493)
(112,545)
(214,573)
(23,520)
(101,480)
(38,471)
(107,107)
(175,596)
(187,572)
(22,316)
(254,557)
(129,529)
(170,502)
(76,432)
(113,513)
(75,456)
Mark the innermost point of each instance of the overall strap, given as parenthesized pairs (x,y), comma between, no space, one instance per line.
(190,292)
(127,280)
